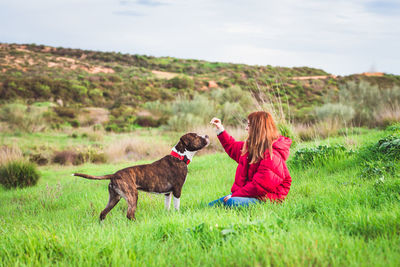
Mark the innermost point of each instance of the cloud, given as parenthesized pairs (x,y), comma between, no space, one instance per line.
(383,7)
(130,13)
(151,3)
(237,28)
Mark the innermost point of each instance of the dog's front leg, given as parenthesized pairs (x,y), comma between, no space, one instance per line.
(177,202)
(168,200)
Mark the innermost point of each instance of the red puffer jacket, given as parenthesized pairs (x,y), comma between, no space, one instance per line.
(266,179)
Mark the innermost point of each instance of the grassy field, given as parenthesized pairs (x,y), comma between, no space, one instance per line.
(331,217)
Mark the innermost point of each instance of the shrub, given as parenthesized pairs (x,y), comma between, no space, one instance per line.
(387,116)
(319,155)
(235,94)
(389,147)
(337,111)
(232,114)
(305,132)
(23,118)
(97,127)
(65,157)
(79,89)
(181,82)
(157,108)
(200,106)
(147,121)
(113,128)
(368,100)
(184,122)
(286,129)
(74,123)
(98,158)
(393,128)
(95,137)
(65,112)
(18,174)
(95,93)
(190,113)
(377,169)
(39,159)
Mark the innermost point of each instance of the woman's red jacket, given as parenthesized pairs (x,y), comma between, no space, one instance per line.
(266,179)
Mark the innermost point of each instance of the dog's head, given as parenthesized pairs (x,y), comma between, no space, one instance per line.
(192,142)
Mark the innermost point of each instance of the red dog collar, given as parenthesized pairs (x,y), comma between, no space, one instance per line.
(183,158)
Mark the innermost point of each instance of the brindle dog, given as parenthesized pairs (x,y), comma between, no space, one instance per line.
(165,176)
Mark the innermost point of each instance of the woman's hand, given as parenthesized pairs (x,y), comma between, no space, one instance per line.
(227,198)
(217,123)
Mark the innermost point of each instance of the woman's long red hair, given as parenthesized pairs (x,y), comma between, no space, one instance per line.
(262,133)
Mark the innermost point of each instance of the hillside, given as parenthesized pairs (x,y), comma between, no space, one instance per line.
(81,78)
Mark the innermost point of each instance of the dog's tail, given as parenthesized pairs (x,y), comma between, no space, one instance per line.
(92,177)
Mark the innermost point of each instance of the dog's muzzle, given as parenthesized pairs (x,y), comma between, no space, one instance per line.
(207,139)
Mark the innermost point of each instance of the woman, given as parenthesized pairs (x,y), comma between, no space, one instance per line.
(262,173)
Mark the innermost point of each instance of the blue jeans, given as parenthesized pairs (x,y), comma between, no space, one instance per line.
(235,202)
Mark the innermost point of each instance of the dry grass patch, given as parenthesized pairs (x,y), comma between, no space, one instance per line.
(388,116)
(305,132)
(91,116)
(133,149)
(10,153)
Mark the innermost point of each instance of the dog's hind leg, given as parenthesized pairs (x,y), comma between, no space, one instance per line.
(132,198)
(114,199)
(168,200)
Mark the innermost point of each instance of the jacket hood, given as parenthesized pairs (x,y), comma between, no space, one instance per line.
(282,145)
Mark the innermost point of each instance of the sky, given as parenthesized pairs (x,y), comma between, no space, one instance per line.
(341,37)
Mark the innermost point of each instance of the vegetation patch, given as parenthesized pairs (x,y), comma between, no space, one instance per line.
(320,155)
(18,174)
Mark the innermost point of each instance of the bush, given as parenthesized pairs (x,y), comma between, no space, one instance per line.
(393,128)
(23,118)
(65,112)
(377,169)
(319,155)
(98,158)
(389,147)
(184,122)
(74,123)
(181,82)
(337,111)
(235,94)
(368,100)
(147,121)
(305,132)
(190,113)
(113,128)
(231,113)
(38,159)
(387,116)
(18,174)
(65,157)
(286,129)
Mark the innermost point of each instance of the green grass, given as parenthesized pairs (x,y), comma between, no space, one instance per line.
(330,217)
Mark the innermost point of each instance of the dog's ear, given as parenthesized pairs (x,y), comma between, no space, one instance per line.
(181,146)
(183,141)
